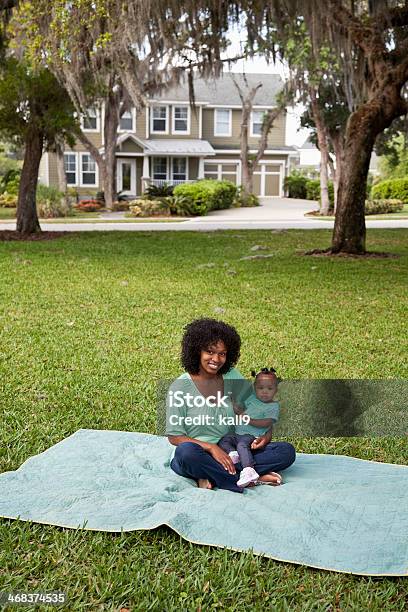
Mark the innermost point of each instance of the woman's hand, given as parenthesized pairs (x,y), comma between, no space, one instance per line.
(222,457)
(262,441)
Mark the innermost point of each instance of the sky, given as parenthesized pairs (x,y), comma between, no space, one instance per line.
(258,65)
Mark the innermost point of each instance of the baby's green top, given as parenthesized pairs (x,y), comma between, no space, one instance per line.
(256,409)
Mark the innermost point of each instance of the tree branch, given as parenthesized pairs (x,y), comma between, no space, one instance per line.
(360,34)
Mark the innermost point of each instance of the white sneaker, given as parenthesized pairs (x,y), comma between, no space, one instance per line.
(247,476)
(234,457)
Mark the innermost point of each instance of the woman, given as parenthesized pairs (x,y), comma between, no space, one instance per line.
(199,411)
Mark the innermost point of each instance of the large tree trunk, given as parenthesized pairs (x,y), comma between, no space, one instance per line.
(112,104)
(324,153)
(337,142)
(27,218)
(62,177)
(246,170)
(362,128)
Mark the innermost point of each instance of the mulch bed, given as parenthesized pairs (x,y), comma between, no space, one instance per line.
(366,255)
(8,235)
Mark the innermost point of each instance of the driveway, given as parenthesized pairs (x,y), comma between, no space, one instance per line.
(271,209)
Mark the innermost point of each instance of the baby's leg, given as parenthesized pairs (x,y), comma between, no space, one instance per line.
(228,443)
(244,449)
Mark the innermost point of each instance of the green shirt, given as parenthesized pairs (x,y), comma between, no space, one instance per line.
(256,409)
(188,414)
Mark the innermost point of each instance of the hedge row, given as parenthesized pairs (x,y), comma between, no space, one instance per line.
(201,197)
(299,186)
(378,207)
(393,189)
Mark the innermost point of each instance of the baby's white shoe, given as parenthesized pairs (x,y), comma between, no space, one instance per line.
(234,457)
(247,476)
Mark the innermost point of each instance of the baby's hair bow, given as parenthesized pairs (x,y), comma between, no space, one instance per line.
(254,373)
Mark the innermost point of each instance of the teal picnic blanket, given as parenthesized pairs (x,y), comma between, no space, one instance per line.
(333,512)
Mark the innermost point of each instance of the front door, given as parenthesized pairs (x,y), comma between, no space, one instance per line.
(126,176)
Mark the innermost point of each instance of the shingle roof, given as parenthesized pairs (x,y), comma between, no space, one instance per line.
(222,91)
(308,144)
(169,146)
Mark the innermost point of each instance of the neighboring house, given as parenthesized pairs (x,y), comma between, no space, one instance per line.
(171,142)
(308,158)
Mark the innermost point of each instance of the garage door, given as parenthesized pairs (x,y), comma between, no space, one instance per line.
(222,171)
(267,179)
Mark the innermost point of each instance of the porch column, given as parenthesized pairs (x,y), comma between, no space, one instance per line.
(200,168)
(145,173)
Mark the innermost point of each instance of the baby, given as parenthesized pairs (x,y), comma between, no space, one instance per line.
(263,412)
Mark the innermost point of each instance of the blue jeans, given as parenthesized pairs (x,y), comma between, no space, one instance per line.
(240,443)
(192,461)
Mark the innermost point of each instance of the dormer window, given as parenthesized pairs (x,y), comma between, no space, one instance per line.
(159,119)
(181,120)
(256,122)
(90,121)
(222,122)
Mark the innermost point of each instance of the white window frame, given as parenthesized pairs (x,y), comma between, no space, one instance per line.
(76,168)
(167,168)
(173,127)
(166,131)
(133,130)
(218,163)
(216,132)
(81,183)
(98,122)
(253,134)
(172,168)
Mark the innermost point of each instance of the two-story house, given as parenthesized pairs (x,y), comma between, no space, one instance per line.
(169,141)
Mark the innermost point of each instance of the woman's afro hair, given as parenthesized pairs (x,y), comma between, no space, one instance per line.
(200,334)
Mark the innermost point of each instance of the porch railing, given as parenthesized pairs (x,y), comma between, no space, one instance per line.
(162,182)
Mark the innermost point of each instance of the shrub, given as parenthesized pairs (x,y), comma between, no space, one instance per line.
(89,206)
(73,194)
(377,207)
(393,189)
(52,203)
(159,191)
(202,196)
(295,185)
(313,190)
(8,163)
(120,206)
(8,200)
(149,208)
(243,199)
(100,197)
(10,181)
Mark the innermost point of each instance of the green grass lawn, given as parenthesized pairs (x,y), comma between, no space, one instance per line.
(89,322)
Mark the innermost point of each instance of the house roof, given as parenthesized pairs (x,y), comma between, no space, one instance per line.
(222,91)
(308,144)
(167,146)
(178,146)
